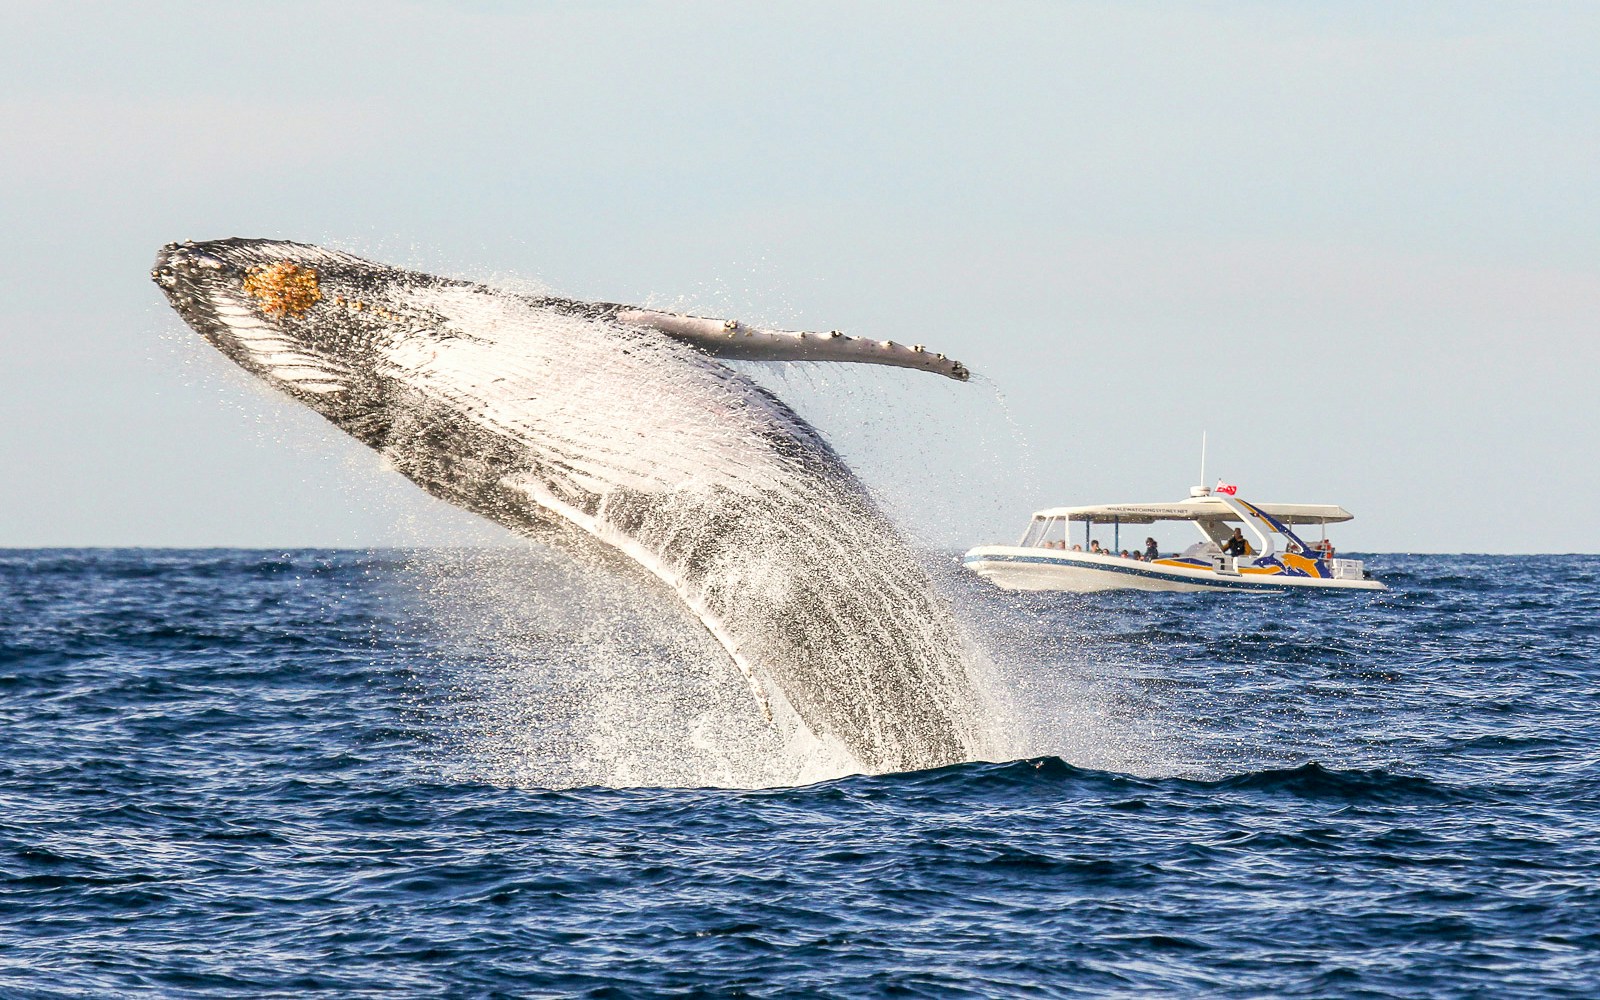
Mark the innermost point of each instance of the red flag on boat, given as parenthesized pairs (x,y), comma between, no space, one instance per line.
(1227,488)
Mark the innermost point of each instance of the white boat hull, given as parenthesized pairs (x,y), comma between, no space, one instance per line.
(1017,568)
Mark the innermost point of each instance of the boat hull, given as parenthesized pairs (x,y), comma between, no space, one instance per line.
(1017,568)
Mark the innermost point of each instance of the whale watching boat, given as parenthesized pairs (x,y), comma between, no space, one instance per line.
(1266,555)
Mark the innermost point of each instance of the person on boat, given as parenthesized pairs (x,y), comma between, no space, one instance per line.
(1325,549)
(1236,546)
(1094,546)
(1076,547)
(1151,551)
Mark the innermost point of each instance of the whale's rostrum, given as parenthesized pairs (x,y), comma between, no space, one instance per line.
(612,432)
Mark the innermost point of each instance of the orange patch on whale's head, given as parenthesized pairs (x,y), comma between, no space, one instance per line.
(283,289)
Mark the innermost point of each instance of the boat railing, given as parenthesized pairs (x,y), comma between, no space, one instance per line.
(1348,569)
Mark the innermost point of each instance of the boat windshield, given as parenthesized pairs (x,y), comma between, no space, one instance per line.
(1045,533)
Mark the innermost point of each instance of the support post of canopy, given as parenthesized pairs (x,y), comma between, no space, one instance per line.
(1116,534)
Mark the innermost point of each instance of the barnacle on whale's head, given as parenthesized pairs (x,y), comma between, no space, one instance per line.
(283,289)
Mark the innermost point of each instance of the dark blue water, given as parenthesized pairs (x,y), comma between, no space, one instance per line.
(234,773)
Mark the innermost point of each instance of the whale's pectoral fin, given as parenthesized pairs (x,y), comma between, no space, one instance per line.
(726,338)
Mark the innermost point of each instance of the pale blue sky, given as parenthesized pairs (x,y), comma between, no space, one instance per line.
(1360,247)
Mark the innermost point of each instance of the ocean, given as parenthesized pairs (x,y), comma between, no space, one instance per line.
(480,773)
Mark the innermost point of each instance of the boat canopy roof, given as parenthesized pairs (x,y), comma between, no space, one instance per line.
(1197,509)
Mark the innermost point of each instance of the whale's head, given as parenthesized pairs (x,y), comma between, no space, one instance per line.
(306,320)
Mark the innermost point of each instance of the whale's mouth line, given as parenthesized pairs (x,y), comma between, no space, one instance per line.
(235,322)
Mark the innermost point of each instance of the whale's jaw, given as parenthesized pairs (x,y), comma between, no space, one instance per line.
(587,427)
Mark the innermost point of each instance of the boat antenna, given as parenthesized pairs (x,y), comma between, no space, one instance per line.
(1202,458)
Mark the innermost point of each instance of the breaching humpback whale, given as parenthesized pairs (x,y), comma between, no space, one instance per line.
(614,433)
